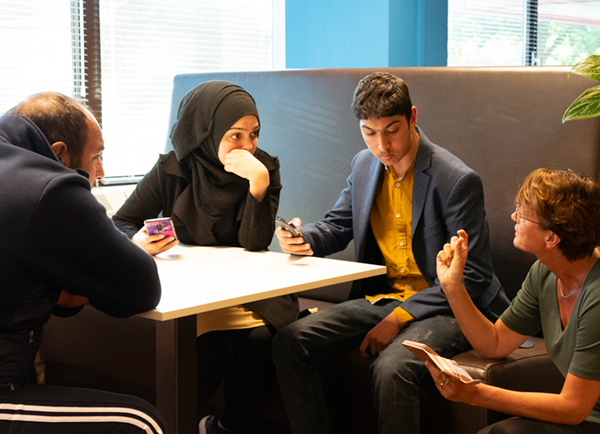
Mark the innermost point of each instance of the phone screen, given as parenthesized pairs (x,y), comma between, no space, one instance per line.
(160,226)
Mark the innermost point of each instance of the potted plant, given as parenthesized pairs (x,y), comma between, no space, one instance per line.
(587,105)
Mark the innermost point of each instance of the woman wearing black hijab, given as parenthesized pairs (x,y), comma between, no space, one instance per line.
(220,190)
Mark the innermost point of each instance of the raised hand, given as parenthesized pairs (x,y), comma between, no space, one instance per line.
(451,260)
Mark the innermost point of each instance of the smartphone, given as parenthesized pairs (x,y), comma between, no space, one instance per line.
(160,226)
(287,226)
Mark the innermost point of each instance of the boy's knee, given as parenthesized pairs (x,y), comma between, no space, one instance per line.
(284,342)
(389,368)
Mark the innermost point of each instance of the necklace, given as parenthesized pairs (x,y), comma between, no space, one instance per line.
(387,169)
(400,178)
(580,281)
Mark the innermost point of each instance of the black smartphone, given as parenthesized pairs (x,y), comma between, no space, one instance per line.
(287,226)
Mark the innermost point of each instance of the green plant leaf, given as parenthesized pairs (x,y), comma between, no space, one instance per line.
(587,105)
(588,67)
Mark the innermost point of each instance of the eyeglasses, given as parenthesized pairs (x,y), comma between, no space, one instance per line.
(520,216)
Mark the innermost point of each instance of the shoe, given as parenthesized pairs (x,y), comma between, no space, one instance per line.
(207,425)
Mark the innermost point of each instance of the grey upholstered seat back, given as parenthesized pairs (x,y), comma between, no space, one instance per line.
(503,122)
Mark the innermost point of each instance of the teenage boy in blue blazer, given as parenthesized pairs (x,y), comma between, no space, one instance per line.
(405,198)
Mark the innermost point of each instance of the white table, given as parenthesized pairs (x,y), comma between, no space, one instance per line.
(199,279)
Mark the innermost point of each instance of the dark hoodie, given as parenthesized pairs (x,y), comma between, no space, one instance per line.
(55,237)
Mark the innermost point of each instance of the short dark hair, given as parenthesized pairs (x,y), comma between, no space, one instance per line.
(381,95)
(567,204)
(61,119)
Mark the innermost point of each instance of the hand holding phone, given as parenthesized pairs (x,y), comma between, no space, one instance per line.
(149,237)
(160,226)
(287,226)
(290,237)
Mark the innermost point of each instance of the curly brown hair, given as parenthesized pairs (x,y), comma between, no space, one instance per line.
(381,95)
(568,204)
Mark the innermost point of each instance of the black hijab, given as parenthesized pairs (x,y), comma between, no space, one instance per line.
(205,114)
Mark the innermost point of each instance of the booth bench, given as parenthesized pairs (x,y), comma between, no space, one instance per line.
(502,122)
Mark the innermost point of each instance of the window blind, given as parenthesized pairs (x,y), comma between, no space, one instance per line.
(144,43)
(121,56)
(568,31)
(522,32)
(41,49)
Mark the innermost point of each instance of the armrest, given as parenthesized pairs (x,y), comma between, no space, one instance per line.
(526,369)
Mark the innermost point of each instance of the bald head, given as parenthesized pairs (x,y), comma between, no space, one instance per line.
(61,119)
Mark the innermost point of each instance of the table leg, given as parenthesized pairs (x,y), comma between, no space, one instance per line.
(176,374)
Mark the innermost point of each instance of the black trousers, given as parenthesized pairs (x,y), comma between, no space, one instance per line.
(45,409)
(241,359)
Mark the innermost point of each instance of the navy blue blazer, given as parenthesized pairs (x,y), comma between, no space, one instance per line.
(447,196)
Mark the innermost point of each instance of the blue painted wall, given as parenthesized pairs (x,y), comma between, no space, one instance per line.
(367,33)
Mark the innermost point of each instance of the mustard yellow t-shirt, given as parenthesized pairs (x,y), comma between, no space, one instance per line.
(229,318)
(391,219)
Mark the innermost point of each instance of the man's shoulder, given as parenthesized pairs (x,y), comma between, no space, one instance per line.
(364,159)
(26,174)
(35,188)
(437,160)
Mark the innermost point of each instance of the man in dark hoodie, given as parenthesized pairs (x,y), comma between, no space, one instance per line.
(59,250)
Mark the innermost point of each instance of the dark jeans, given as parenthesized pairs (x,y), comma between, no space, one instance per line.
(521,425)
(242,359)
(300,347)
(44,409)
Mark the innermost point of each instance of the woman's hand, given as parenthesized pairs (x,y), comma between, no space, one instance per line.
(451,260)
(247,166)
(153,244)
(290,244)
(451,387)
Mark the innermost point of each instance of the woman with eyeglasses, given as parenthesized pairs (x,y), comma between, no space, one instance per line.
(558,220)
